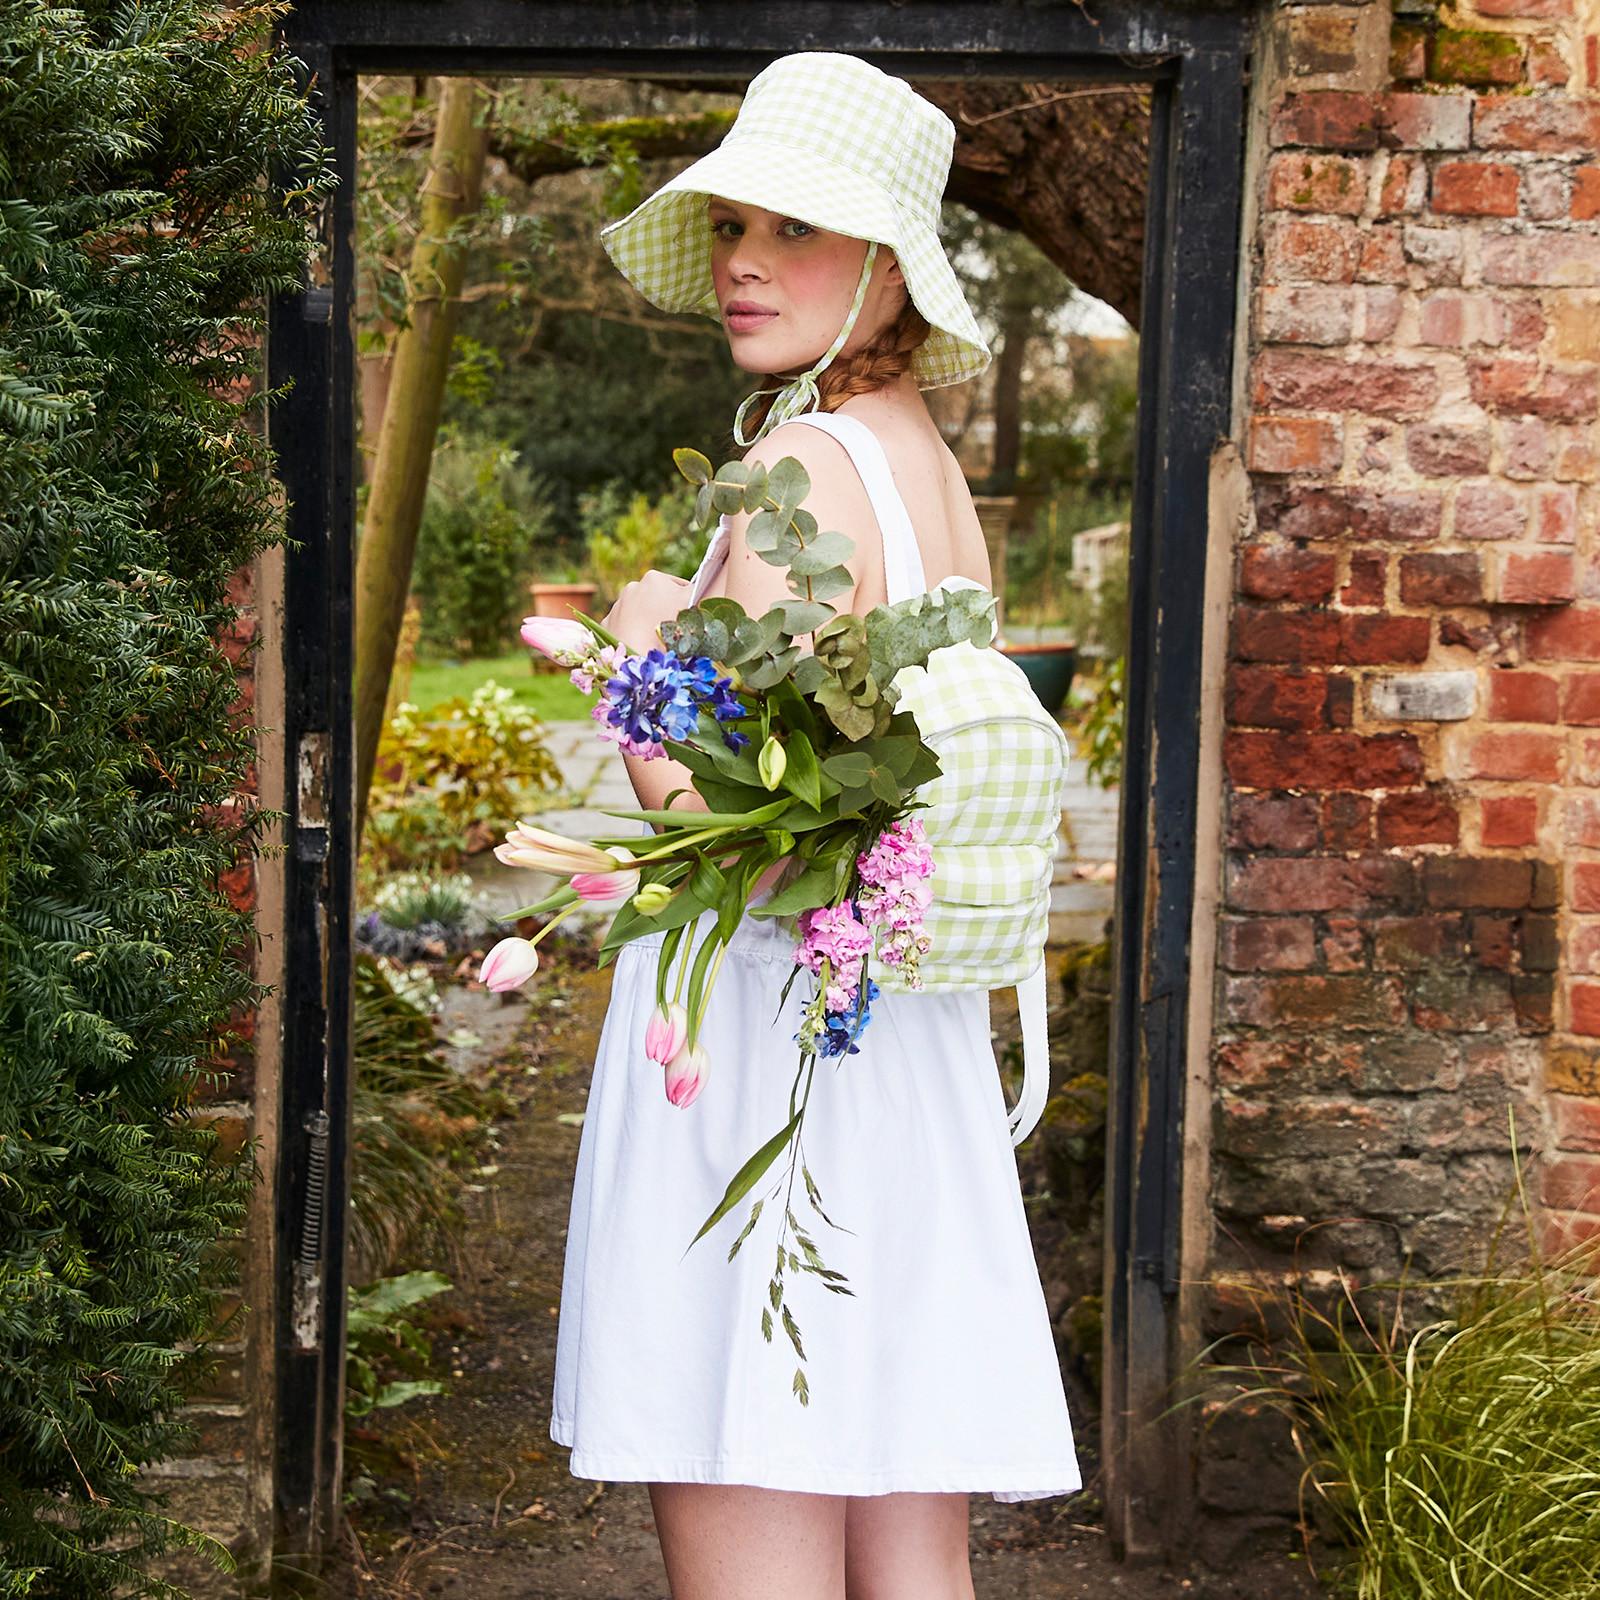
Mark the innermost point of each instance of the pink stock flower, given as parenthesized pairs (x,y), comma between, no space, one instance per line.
(646,750)
(602,663)
(834,934)
(686,1074)
(509,965)
(666,1033)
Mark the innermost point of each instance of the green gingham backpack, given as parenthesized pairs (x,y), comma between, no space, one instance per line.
(993,813)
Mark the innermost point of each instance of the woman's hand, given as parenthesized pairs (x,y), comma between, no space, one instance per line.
(644,604)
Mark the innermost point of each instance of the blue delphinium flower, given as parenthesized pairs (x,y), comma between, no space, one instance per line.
(843,1028)
(657,696)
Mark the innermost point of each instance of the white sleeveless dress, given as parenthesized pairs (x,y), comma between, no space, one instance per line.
(940,1372)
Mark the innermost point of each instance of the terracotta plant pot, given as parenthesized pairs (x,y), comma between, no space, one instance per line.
(1050,666)
(557,599)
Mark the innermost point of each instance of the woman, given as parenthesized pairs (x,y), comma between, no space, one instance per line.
(810,233)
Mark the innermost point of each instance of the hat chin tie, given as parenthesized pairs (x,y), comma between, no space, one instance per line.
(801,394)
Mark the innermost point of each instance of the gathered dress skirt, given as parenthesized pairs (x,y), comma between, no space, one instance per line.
(937,1373)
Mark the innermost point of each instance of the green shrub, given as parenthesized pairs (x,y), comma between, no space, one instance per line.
(447,783)
(627,538)
(483,526)
(138,238)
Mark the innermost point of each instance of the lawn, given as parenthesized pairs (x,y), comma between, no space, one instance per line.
(551,694)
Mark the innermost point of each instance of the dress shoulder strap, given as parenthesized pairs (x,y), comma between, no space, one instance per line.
(903,572)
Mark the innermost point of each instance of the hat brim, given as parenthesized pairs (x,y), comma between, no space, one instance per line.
(663,246)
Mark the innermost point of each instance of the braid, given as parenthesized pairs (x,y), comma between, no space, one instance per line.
(878,362)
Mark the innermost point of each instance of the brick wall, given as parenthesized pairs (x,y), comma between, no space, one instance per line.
(1409,941)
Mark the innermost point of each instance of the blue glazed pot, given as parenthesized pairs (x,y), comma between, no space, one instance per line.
(1050,667)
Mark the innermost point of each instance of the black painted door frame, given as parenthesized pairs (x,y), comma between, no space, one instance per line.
(1196,61)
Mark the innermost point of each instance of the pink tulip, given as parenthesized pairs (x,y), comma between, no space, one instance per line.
(666,1033)
(616,885)
(540,850)
(564,640)
(686,1074)
(509,965)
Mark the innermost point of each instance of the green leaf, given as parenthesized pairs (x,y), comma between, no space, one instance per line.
(814,887)
(801,616)
(694,466)
(740,1184)
(826,550)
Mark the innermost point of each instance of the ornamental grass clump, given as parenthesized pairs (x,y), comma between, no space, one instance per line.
(1457,1450)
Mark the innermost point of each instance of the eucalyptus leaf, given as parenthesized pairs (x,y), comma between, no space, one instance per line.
(826,550)
(694,466)
(801,616)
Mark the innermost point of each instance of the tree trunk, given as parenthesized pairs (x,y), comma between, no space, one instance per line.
(411,415)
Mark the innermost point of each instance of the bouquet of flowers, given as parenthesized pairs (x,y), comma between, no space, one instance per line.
(799,757)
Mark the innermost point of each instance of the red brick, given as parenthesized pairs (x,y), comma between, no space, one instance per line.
(1442,320)
(1490,511)
(1411,943)
(1270,697)
(1283,572)
(1546,64)
(1296,444)
(1475,56)
(1270,635)
(1523,8)
(1489,882)
(1555,514)
(1577,1122)
(1516,756)
(1347,822)
(1539,578)
(1425,121)
(1516,321)
(1368,575)
(1279,760)
(1403,187)
(1536,122)
(1585,193)
(1546,259)
(1306,313)
(1272,822)
(1346,1001)
(1375,638)
(1441,578)
(1344,945)
(1508,821)
(1325,119)
(1571,1183)
(1519,386)
(1408,53)
(1268,944)
(1420,816)
(1330,184)
(1380,312)
(1442,449)
(1570,634)
(1298,511)
(1583,821)
(1317,883)
(238,883)
(1382,256)
(1300,250)
(1475,189)
(1583,948)
(1583,1000)
(1580,700)
(1301,380)
(1586,886)
(1522,696)
(1568,1235)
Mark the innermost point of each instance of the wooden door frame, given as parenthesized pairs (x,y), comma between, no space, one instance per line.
(1196,60)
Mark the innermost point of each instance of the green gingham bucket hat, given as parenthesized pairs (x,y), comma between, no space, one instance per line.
(833,141)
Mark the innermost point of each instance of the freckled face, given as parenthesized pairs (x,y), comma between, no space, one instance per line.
(801,278)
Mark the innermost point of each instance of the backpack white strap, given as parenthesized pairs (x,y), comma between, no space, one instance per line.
(903,572)
(1035,1056)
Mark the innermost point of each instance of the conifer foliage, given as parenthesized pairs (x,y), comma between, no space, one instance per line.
(139,237)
